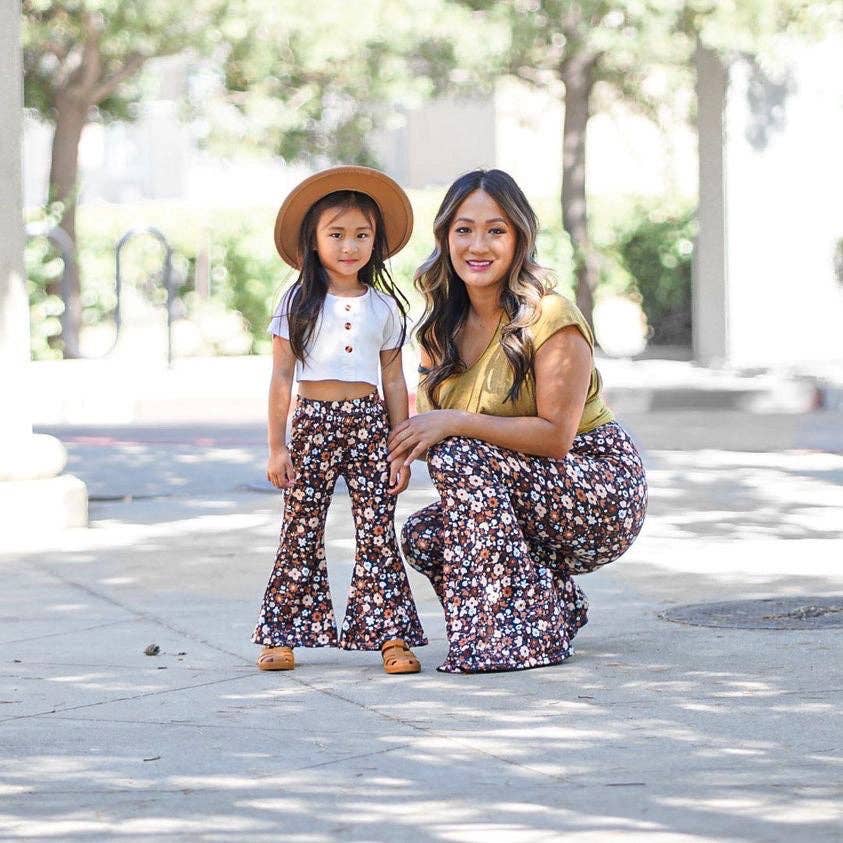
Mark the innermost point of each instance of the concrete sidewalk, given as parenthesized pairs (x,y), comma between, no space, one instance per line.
(653,731)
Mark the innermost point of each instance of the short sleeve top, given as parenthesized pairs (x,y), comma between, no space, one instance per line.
(483,386)
(348,338)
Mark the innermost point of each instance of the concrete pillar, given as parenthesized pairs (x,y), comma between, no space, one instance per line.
(32,495)
(766,292)
(785,210)
(710,282)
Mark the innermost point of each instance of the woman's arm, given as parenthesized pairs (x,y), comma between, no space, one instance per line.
(398,408)
(562,371)
(279,469)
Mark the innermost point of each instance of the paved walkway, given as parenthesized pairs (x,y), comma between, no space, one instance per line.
(653,731)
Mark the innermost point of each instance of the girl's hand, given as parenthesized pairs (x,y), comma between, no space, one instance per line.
(417,434)
(399,476)
(279,469)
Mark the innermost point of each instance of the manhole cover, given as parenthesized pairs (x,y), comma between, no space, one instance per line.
(773,613)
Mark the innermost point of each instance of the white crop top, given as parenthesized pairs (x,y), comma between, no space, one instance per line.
(348,338)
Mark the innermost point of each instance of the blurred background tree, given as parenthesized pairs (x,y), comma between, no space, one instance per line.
(572,48)
(80,58)
(311,82)
(293,80)
(597,52)
(656,251)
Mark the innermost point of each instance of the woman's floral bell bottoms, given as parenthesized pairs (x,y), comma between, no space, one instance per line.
(508,533)
(329,439)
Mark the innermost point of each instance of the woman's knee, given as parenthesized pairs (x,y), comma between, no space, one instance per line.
(423,551)
(407,539)
(457,457)
(421,538)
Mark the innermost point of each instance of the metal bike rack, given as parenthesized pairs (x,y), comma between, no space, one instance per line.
(167,275)
(67,251)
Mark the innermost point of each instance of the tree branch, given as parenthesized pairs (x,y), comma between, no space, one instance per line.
(91,67)
(531,75)
(55,49)
(133,64)
(579,63)
(69,66)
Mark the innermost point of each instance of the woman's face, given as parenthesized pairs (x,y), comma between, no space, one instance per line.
(481,242)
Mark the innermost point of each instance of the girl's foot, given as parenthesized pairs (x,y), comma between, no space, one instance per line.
(398,657)
(276,658)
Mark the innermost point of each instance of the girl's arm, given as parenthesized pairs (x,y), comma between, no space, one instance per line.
(398,407)
(562,371)
(279,468)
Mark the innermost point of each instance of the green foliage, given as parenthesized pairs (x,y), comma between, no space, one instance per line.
(246,276)
(596,52)
(624,40)
(647,245)
(656,250)
(309,82)
(763,29)
(86,45)
(630,38)
(244,272)
(43,272)
(246,281)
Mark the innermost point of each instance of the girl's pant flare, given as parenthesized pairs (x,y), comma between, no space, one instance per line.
(331,439)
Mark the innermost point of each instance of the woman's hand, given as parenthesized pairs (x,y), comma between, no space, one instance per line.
(415,435)
(279,468)
(399,476)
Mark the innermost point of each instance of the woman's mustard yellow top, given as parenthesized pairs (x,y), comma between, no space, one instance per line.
(483,386)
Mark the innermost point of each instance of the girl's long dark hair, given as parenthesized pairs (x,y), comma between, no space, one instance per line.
(304,300)
(445,296)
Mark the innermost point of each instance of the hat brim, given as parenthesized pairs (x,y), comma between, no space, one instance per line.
(387,194)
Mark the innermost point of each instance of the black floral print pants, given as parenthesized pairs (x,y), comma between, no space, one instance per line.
(329,439)
(508,533)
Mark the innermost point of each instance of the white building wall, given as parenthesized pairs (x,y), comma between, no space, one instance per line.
(784,216)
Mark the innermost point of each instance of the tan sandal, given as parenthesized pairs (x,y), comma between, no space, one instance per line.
(276,658)
(398,657)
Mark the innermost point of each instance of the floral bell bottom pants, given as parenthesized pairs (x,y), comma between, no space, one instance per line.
(502,543)
(331,439)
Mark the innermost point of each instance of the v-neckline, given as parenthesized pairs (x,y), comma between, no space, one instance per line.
(488,344)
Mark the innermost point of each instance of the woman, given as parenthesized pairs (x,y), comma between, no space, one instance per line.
(536,481)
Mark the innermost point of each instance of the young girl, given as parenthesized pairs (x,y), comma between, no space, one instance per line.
(339,323)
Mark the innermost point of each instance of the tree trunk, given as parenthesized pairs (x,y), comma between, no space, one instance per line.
(577,72)
(71,116)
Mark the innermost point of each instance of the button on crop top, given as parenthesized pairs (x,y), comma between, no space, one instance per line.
(483,386)
(348,338)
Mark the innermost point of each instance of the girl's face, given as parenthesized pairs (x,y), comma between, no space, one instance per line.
(345,238)
(481,242)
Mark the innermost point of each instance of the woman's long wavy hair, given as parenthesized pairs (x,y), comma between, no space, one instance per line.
(304,300)
(445,296)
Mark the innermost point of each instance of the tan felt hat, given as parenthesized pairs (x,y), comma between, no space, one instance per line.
(390,198)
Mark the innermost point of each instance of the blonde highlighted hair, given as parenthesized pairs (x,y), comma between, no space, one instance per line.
(445,296)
